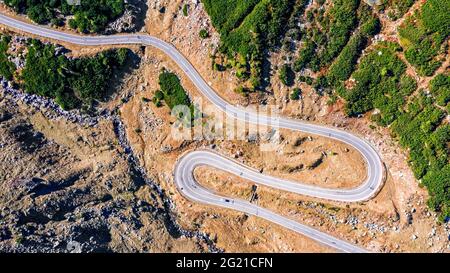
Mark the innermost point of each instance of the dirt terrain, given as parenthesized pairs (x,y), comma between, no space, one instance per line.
(396,220)
(87,174)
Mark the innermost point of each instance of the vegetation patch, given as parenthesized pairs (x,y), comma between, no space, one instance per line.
(7,68)
(247,29)
(420,129)
(345,63)
(440,88)
(185,10)
(296,94)
(287,75)
(423,34)
(379,84)
(204,34)
(89,16)
(71,82)
(399,8)
(329,31)
(172,92)
(382,84)
(335,34)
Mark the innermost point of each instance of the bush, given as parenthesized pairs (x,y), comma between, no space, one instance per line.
(321,84)
(306,54)
(287,75)
(204,34)
(407,85)
(241,90)
(371,27)
(159,95)
(424,33)
(440,88)
(90,16)
(7,68)
(172,92)
(122,56)
(185,10)
(248,28)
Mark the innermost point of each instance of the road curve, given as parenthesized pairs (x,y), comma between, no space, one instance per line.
(183,173)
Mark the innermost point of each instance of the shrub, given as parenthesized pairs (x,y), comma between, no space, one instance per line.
(371,27)
(171,90)
(7,68)
(440,88)
(204,34)
(71,82)
(241,90)
(306,54)
(424,33)
(185,10)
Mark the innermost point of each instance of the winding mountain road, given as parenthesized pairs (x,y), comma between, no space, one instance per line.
(184,169)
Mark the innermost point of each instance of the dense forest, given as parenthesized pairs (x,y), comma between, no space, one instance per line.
(415,119)
(89,16)
(71,82)
(7,68)
(423,35)
(332,41)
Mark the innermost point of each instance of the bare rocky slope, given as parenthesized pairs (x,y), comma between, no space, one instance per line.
(68,186)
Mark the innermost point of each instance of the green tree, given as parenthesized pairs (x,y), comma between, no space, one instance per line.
(204,34)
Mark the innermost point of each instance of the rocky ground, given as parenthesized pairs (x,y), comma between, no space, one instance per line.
(131,20)
(71,183)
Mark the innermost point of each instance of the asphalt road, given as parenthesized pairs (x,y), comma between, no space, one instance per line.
(183,173)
